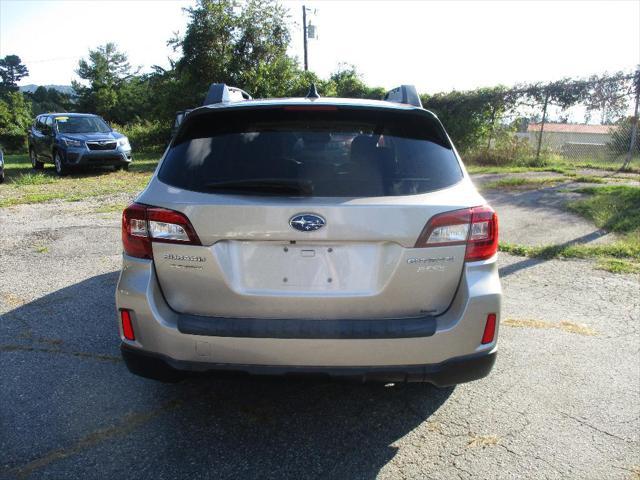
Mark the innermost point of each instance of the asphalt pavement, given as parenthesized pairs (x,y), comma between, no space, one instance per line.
(562,402)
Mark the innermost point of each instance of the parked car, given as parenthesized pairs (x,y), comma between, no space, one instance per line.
(310,235)
(1,166)
(76,139)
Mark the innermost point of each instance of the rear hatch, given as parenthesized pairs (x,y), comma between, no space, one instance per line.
(309,212)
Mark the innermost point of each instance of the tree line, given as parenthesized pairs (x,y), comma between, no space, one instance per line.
(245,44)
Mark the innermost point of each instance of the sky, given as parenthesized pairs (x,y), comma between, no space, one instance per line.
(436,45)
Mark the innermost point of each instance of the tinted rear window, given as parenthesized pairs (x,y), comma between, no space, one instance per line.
(333,153)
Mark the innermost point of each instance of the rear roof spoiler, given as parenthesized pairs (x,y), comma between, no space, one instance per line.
(404,94)
(221,93)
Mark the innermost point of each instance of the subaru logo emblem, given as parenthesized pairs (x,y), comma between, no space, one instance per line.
(307,222)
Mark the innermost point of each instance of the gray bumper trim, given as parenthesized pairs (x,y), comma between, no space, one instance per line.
(307,329)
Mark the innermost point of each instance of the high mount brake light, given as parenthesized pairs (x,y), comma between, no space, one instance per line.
(310,108)
(476,227)
(142,225)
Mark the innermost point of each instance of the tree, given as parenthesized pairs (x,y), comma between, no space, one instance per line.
(49,100)
(348,83)
(108,72)
(12,70)
(608,94)
(562,93)
(471,117)
(242,45)
(15,117)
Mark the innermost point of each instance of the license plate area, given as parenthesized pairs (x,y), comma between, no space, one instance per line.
(273,267)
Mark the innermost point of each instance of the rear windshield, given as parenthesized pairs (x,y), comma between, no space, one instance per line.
(329,152)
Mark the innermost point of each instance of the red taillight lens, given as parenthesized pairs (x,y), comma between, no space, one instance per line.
(135,237)
(142,225)
(127,326)
(489,329)
(483,237)
(476,227)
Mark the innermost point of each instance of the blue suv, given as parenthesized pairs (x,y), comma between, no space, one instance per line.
(76,139)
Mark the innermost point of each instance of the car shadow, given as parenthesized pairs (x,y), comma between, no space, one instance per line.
(104,418)
(532,262)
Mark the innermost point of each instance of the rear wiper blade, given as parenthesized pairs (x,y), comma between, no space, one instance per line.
(263,186)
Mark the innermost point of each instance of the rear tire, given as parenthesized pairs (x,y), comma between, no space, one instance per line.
(61,168)
(35,164)
(124,167)
(2,176)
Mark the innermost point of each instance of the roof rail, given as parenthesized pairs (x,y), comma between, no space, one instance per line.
(404,94)
(221,93)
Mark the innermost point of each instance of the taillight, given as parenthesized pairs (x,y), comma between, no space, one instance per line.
(142,225)
(483,238)
(476,227)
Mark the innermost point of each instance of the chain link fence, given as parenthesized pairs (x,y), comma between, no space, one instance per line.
(582,142)
(585,122)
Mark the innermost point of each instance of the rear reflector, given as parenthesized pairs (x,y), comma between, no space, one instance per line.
(127,326)
(489,329)
(142,225)
(476,227)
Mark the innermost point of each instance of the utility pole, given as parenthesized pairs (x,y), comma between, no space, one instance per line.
(544,119)
(304,34)
(634,127)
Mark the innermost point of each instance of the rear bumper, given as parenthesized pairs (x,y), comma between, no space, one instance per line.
(415,348)
(450,372)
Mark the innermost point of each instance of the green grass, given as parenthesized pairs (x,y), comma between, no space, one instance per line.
(617,257)
(634,167)
(619,249)
(23,185)
(612,208)
(517,169)
(110,208)
(522,182)
(557,164)
(30,178)
(616,265)
(615,208)
(587,179)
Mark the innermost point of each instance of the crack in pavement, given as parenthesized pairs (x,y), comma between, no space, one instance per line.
(27,348)
(128,424)
(586,424)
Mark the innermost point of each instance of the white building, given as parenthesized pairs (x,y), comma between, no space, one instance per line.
(572,139)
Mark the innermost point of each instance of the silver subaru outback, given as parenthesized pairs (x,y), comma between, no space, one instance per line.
(310,236)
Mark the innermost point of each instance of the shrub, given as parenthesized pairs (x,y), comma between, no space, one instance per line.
(146,136)
(15,117)
(507,151)
(621,138)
